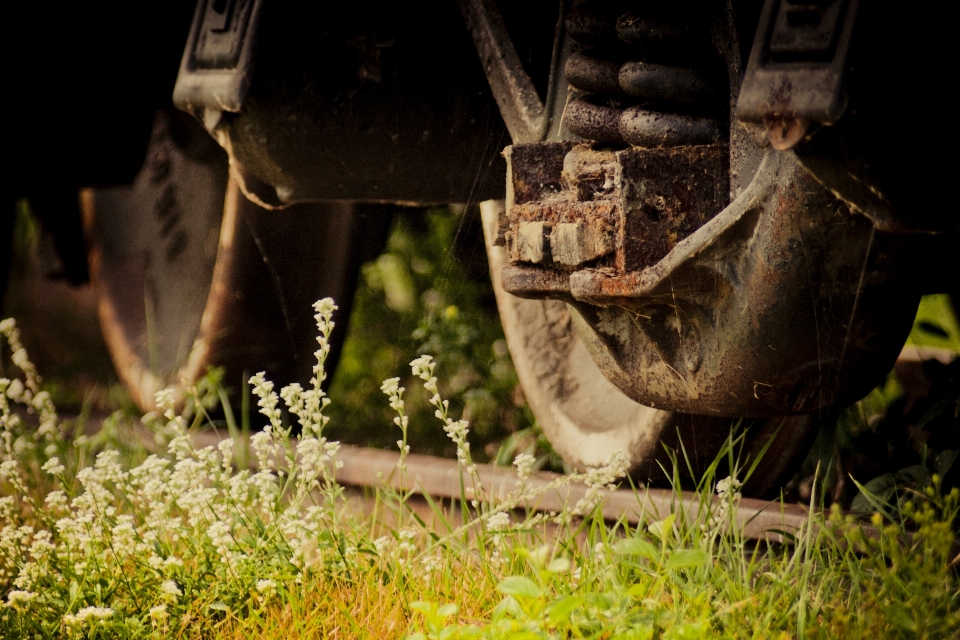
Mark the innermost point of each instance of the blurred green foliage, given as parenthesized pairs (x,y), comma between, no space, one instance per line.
(936,325)
(428,292)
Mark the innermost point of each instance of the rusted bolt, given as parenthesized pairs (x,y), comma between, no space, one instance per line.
(784,132)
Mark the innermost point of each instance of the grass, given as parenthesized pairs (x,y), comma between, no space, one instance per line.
(99,538)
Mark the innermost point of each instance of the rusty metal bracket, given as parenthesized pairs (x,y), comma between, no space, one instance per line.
(796,70)
(575,205)
(370,101)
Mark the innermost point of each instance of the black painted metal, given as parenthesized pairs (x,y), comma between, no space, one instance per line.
(375,101)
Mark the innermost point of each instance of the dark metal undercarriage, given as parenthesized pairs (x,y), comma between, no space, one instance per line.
(741,202)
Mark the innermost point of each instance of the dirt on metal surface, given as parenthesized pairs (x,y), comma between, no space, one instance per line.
(665,195)
(784,303)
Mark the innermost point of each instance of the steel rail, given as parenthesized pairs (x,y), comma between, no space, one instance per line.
(444,478)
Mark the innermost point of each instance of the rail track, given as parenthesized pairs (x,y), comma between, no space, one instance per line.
(439,479)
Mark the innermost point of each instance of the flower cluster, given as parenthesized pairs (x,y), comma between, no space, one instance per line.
(86,617)
(391,387)
(728,492)
(143,530)
(496,525)
(200,529)
(600,478)
(456,430)
(26,393)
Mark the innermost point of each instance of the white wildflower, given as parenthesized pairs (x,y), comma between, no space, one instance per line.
(331,449)
(170,591)
(392,389)
(109,468)
(599,478)
(22,445)
(166,402)
(406,539)
(313,458)
(221,538)
(8,507)
(422,367)
(324,310)
(728,492)
(15,390)
(456,430)
(524,464)
(159,615)
(85,616)
(53,466)
(728,485)
(406,545)
(56,499)
(263,447)
(267,399)
(124,536)
(267,588)
(383,544)
(226,447)
(498,522)
(430,565)
(8,469)
(19,599)
(42,546)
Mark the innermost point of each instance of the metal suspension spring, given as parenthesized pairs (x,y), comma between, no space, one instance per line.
(649,76)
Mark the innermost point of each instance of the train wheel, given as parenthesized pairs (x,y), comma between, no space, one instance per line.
(190,274)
